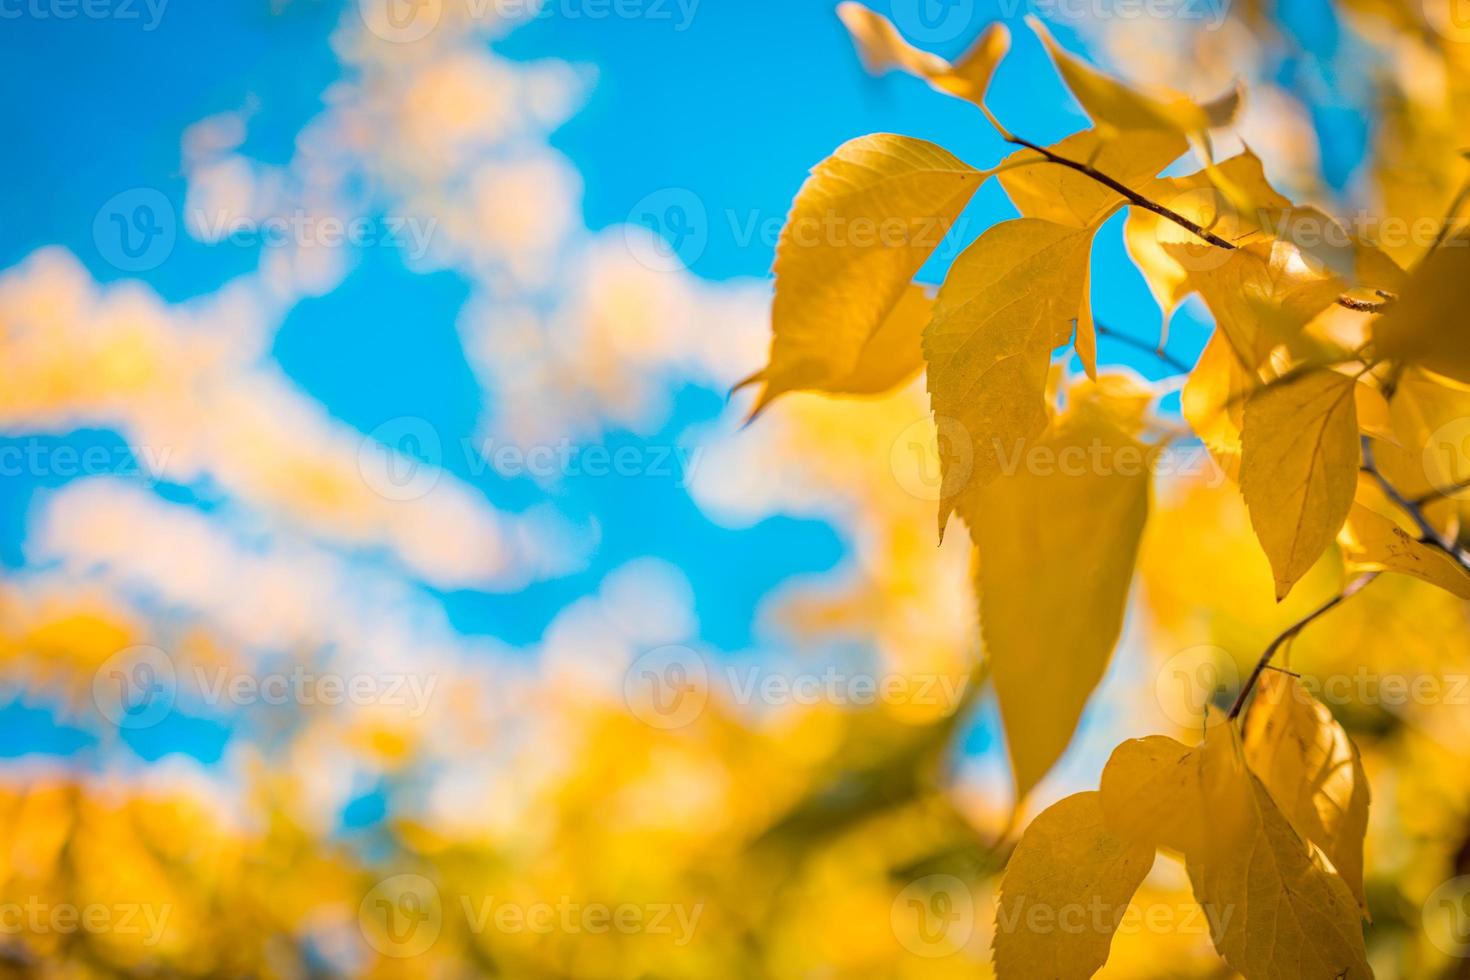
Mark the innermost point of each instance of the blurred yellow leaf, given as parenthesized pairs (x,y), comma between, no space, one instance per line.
(1065,889)
(1427,325)
(882,49)
(1057,540)
(1117,107)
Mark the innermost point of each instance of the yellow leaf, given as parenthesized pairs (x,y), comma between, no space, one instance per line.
(1373,543)
(1052,192)
(1057,540)
(862,225)
(1011,298)
(893,355)
(1313,772)
(1299,468)
(882,49)
(1167,252)
(1151,793)
(1213,401)
(1276,911)
(1260,295)
(1427,325)
(1065,889)
(1118,108)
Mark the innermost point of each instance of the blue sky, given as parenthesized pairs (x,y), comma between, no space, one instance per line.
(732,109)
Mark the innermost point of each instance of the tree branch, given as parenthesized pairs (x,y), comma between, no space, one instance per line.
(1163,356)
(1353,588)
(1138,200)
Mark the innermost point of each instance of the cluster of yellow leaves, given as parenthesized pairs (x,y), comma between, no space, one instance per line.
(1270,826)
(1324,344)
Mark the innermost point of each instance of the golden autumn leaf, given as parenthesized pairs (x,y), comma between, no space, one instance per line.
(1427,326)
(862,225)
(891,356)
(1010,300)
(1117,107)
(1151,793)
(883,49)
(1299,468)
(1260,295)
(1374,543)
(1312,770)
(1276,910)
(1070,514)
(1166,252)
(1065,889)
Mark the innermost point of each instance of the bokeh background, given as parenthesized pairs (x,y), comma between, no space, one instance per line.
(390,585)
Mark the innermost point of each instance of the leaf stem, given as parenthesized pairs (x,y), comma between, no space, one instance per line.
(1353,588)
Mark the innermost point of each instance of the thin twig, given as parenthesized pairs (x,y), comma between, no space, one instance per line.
(1133,196)
(1138,200)
(1163,356)
(1353,588)
(1428,533)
